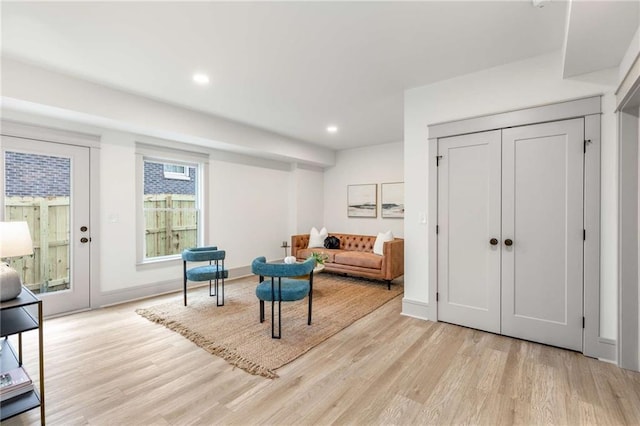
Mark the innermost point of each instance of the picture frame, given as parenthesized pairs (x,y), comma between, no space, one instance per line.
(392,200)
(362,200)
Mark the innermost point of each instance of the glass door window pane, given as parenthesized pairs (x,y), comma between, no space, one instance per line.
(37,190)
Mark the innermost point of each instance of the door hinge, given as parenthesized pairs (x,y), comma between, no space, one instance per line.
(586,141)
(437,296)
(437,229)
(584,235)
(438,157)
(583,321)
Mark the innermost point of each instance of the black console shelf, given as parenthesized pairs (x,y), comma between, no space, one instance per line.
(18,316)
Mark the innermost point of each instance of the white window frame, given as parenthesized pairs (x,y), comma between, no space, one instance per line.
(169,155)
(172,174)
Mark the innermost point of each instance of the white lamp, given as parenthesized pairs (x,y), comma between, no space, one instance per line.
(15,241)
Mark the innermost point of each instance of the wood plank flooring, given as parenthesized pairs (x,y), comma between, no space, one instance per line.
(113,367)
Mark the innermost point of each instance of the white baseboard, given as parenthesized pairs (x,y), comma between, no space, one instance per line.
(415,309)
(129,294)
(607,350)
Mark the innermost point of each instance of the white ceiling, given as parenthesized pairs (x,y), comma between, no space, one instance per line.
(288,67)
(587,49)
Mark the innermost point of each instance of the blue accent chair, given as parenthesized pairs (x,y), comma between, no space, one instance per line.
(283,288)
(214,271)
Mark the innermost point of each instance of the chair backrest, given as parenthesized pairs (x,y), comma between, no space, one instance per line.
(259,266)
(201,254)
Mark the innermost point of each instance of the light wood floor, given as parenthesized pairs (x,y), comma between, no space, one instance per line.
(113,367)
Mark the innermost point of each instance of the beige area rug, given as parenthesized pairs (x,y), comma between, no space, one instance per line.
(234,332)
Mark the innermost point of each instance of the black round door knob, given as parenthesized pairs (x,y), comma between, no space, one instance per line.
(508,242)
(84,240)
(493,241)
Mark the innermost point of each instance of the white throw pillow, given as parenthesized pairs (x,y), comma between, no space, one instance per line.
(382,237)
(316,239)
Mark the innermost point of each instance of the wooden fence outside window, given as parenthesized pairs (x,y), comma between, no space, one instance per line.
(48,220)
(171,222)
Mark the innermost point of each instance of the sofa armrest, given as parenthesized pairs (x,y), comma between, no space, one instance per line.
(298,242)
(393,252)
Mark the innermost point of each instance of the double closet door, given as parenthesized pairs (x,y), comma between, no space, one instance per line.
(511,234)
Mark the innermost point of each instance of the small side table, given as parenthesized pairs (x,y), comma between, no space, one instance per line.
(285,245)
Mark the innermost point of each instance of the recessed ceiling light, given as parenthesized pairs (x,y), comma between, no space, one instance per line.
(332,129)
(201,78)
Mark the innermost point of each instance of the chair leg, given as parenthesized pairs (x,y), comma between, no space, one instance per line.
(279,318)
(273,326)
(261,311)
(217,292)
(184,275)
(310,296)
(388,284)
(273,320)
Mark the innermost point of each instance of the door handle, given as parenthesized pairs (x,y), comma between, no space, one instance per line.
(508,242)
(84,240)
(493,241)
(83,229)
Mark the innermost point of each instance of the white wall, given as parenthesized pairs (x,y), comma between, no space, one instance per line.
(249,207)
(375,164)
(307,199)
(246,217)
(532,82)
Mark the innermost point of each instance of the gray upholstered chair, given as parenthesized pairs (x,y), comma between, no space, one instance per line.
(214,271)
(282,287)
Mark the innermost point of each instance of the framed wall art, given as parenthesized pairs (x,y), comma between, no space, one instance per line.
(362,200)
(392,200)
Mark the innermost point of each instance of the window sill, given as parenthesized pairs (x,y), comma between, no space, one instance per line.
(176,176)
(159,260)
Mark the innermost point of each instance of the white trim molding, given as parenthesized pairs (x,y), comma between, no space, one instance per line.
(415,309)
(629,224)
(590,109)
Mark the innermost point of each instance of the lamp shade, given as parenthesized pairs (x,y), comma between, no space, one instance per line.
(15,239)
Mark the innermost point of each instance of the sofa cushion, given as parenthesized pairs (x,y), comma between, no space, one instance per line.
(305,253)
(206,273)
(358,258)
(316,238)
(292,289)
(383,237)
(356,242)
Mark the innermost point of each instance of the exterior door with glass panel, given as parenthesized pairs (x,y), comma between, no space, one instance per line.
(47,185)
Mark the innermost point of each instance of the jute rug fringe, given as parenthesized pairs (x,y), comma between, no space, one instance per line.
(228,355)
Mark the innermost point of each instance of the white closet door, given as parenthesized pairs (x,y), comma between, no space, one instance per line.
(468,218)
(542,213)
